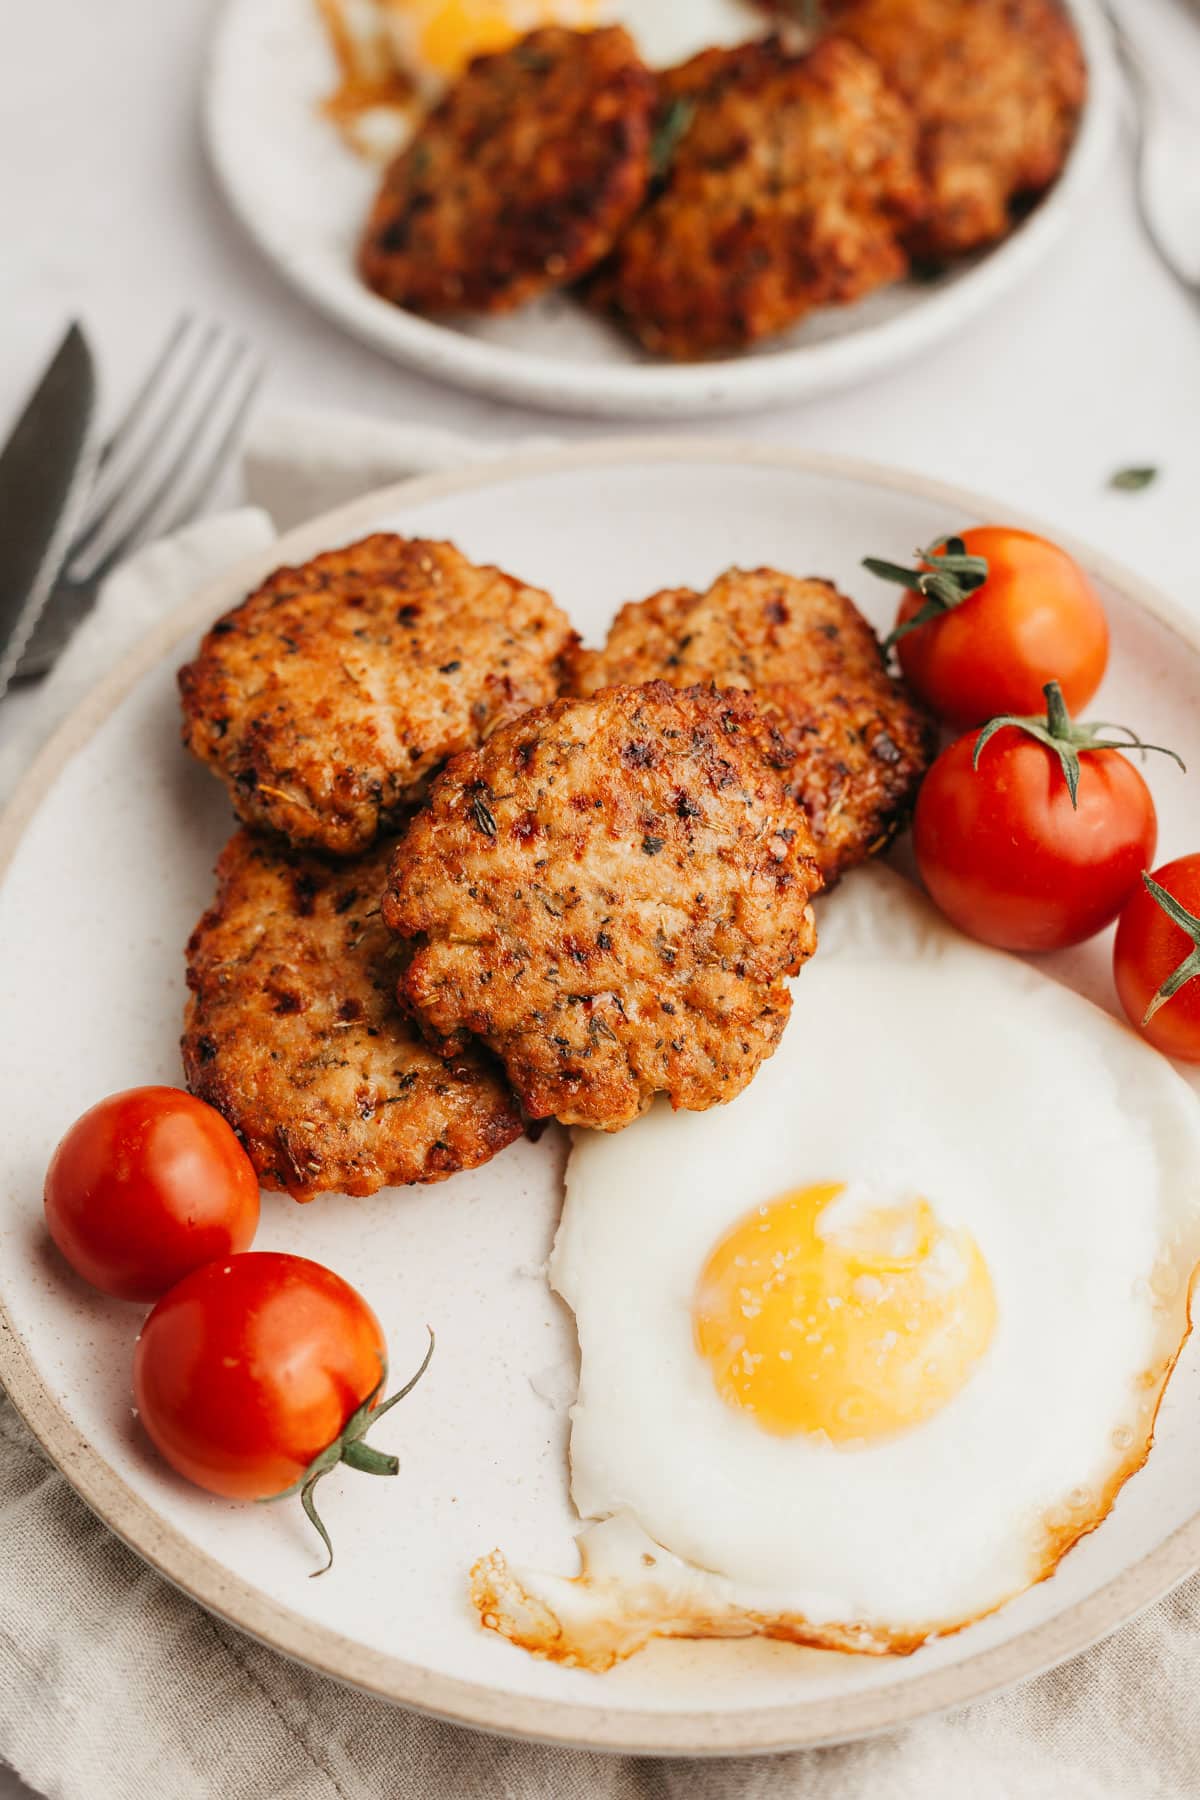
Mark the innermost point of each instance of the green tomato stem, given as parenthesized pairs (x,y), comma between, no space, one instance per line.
(1069,741)
(349,1448)
(947,575)
(1187,922)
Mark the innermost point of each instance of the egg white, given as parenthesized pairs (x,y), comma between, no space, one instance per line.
(916,1063)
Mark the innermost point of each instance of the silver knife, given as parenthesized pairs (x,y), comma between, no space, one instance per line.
(45,475)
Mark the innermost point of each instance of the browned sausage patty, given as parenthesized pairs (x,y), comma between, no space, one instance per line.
(519,180)
(785,192)
(326,699)
(293,1033)
(856,744)
(608,894)
(997,87)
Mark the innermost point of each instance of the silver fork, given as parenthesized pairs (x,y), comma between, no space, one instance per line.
(155,471)
(1167,156)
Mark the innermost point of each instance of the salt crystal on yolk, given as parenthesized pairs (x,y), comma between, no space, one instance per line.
(853,1332)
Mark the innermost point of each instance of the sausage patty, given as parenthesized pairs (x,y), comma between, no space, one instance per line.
(327,698)
(609,894)
(785,191)
(519,180)
(856,744)
(293,1033)
(997,87)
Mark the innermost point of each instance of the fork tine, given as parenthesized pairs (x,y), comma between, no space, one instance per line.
(136,446)
(162,456)
(191,498)
(108,473)
(190,473)
(129,420)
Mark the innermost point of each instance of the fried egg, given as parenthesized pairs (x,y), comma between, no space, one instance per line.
(866,1351)
(397,57)
(435,39)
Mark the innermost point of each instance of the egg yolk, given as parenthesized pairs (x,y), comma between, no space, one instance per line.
(853,1331)
(451,32)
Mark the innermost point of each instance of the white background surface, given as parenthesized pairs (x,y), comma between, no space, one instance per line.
(106,210)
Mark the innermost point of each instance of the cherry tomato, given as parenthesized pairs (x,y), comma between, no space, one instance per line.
(1156,959)
(145,1186)
(259,1373)
(1036,618)
(1005,852)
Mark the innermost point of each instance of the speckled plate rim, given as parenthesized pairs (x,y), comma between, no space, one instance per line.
(655,390)
(599,1727)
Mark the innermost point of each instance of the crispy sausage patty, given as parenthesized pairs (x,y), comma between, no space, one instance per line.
(519,180)
(293,1033)
(327,698)
(856,744)
(784,193)
(997,87)
(609,894)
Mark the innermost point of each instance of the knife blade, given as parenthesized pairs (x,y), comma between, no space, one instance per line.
(45,473)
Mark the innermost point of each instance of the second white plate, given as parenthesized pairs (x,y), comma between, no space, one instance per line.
(303,196)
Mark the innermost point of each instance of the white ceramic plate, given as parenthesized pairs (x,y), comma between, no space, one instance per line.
(302,196)
(110,848)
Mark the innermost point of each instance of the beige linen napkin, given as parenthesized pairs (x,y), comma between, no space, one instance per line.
(113,1686)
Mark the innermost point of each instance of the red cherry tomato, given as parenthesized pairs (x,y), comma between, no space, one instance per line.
(1154,951)
(146,1186)
(1036,618)
(1010,860)
(259,1373)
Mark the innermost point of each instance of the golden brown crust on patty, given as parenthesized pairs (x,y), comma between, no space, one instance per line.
(856,744)
(784,193)
(997,87)
(608,894)
(293,1033)
(519,180)
(328,697)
